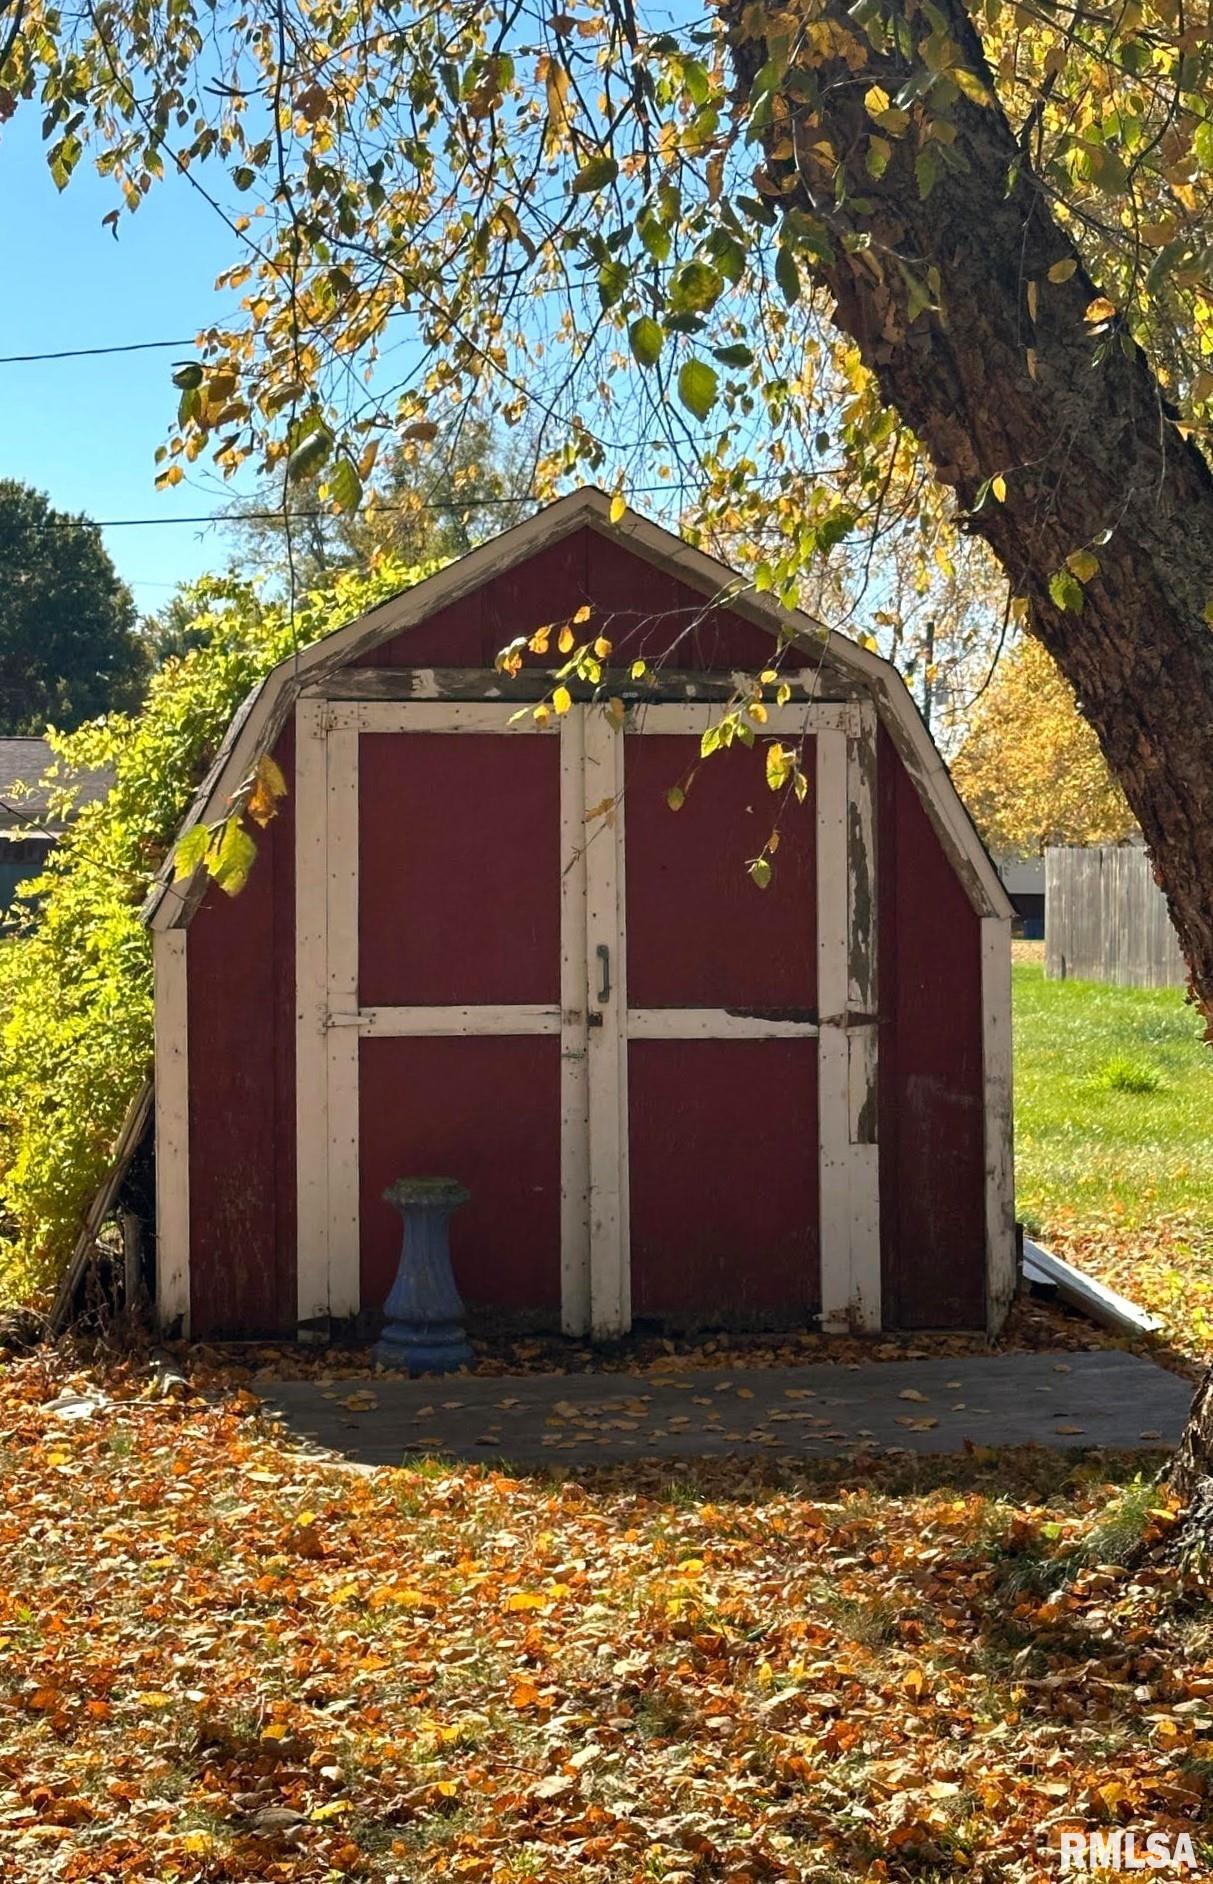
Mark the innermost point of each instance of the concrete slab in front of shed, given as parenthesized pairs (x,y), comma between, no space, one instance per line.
(1105,1398)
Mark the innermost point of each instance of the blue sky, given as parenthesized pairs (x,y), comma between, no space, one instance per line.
(84,431)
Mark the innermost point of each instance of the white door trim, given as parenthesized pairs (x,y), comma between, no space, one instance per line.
(610,1267)
(712,1023)
(575,1290)
(862,1024)
(594,1023)
(345,1151)
(833,1100)
(846,1027)
(846,999)
(437,716)
(427,1023)
(696,716)
(330,1023)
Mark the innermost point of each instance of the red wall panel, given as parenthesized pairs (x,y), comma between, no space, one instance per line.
(459,869)
(241,1007)
(700,931)
(641,610)
(485,1111)
(724,1179)
(931,1091)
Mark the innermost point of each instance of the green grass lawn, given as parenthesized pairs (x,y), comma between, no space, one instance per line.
(1113,1104)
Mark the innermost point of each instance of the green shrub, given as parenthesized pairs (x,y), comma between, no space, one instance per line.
(75,978)
(1125,1075)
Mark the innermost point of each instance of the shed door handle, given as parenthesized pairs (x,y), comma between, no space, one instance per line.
(604,973)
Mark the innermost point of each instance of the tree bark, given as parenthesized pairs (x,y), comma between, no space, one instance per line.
(999,382)
(992,390)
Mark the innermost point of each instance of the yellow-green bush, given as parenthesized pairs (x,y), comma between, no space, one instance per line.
(75,977)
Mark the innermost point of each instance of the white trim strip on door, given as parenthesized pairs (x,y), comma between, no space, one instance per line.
(861,862)
(172,1100)
(345,1152)
(712,1023)
(610,1261)
(1001,1276)
(696,716)
(575,1305)
(311,1007)
(437,716)
(865,1309)
(846,998)
(504,716)
(390,1023)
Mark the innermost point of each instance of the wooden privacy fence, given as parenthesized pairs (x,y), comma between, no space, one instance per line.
(1106,919)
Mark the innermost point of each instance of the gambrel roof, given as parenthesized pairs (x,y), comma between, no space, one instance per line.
(265,711)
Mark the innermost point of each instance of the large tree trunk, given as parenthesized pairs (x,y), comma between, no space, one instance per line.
(997,382)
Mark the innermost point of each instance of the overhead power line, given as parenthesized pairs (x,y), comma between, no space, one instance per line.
(372,508)
(90,353)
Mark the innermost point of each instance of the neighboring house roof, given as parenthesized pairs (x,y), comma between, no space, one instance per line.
(266,709)
(25,797)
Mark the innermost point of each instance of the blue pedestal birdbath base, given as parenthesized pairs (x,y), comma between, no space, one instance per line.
(424,1327)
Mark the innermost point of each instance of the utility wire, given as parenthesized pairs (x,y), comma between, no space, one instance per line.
(90,353)
(370,509)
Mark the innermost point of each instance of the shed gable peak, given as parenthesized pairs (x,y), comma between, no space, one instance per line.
(495,570)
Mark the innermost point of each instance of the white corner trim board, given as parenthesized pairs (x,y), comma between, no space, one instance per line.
(1001,1275)
(172,1129)
(311,1006)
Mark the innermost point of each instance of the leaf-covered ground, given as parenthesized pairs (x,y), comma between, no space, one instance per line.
(223,1662)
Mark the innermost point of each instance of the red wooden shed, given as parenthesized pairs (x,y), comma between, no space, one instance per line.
(483,946)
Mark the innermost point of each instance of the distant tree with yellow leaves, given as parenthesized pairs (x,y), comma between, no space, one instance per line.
(1030,768)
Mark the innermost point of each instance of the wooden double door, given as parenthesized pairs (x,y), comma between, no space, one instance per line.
(530,973)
